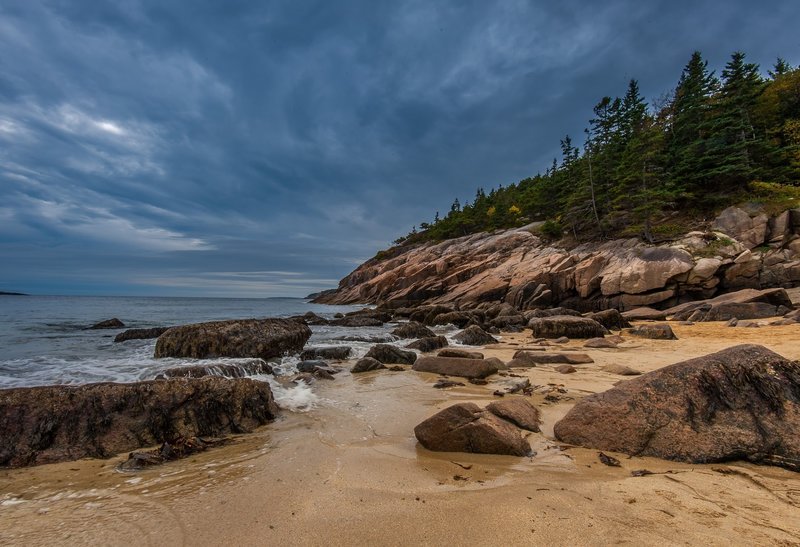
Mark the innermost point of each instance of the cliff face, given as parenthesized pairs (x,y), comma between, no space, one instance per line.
(741,249)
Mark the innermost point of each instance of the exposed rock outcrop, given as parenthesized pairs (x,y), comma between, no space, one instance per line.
(566,325)
(263,338)
(741,249)
(140,334)
(739,403)
(58,423)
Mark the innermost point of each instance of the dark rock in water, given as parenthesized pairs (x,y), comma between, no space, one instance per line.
(311,318)
(226,370)
(739,403)
(369,339)
(464,427)
(523,356)
(335,353)
(413,329)
(475,336)
(610,319)
(140,334)
(443,384)
(388,354)
(264,338)
(169,451)
(453,366)
(109,324)
(518,411)
(458,318)
(310,365)
(571,326)
(427,345)
(49,424)
(658,331)
(367,364)
(460,353)
(381,315)
(356,321)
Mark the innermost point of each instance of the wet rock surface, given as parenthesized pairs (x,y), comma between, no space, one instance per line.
(58,423)
(108,324)
(427,345)
(566,325)
(140,334)
(475,336)
(454,366)
(413,329)
(518,411)
(367,364)
(388,354)
(336,353)
(739,403)
(263,338)
(226,370)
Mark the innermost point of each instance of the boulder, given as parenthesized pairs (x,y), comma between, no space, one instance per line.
(658,331)
(367,364)
(458,318)
(427,345)
(464,427)
(739,403)
(610,319)
(518,411)
(241,369)
(622,370)
(644,314)
(262,338)
(644,270)
(455,366)
(600,343)
(413,329)
(108,324)
(140,334)
(737,223)
(310,318)
(356,321)
(523,356)
(475,336)
(388,354)
(566,325)
(703,270)
(506,321)
(566,369)
(49,424)
(311,365)
(335,353)
(460,353)
(533,314)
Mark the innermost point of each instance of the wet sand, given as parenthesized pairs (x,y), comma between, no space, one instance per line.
(351,472)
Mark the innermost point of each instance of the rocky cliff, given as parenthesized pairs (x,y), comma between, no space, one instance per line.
(742,248)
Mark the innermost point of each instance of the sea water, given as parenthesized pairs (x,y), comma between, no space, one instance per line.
(45,340)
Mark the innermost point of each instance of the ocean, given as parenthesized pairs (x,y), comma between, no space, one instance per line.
(44,339)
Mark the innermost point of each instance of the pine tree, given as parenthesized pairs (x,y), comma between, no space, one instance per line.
(781,67)
(690,112)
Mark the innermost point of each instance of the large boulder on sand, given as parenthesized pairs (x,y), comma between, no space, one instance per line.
(464,427)
(367,364)
(475,336)
(610,319)
(739,403)
(58,423)
(429,344)
(455,366)
(566,325)
(518,411)
(657,331)
(263,338)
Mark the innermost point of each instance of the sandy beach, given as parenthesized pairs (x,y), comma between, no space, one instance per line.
(351,472)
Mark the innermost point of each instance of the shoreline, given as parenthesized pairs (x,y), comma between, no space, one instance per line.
(351,471)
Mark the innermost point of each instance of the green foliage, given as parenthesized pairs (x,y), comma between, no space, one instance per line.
(639,166)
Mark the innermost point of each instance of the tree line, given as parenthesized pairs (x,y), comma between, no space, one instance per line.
(702,147)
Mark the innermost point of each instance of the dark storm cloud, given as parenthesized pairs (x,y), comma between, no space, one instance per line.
(265,148)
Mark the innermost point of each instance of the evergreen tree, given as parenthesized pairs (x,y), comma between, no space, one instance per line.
(690,112)
(781,67)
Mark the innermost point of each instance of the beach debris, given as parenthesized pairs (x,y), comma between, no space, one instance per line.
(462,465)
(610,461)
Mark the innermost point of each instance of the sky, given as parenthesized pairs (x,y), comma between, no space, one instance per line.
(266,148)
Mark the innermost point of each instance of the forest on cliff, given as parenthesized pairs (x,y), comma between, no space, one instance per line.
(647,169)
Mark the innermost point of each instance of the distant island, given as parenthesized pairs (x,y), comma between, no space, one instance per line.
(7,293)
